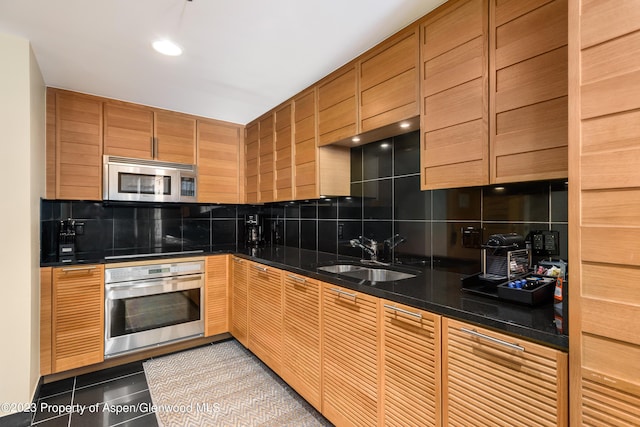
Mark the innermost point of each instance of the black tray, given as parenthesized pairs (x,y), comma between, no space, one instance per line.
(539,295)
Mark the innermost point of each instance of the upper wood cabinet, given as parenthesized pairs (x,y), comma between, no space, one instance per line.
(216,287)
(283,118)
(175,137)
(529,90)
(75,141)
(218,162)
(454,73)
(77,317)
(266,162)
(128,131)
(305,147)
(338,106)
(317,170)
(144,133)
(604,225)
(389,81)
(251,156)
(494,379)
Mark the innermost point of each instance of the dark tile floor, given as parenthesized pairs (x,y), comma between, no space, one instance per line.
(117,396)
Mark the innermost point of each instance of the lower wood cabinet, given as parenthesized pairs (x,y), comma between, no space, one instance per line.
(411,389)
(72,317)
(265,314)
(493,379)
(350,353)
(301,359)
(216,288)
(239,304)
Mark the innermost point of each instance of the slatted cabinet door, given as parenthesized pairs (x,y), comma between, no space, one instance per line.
(218,162)
(411,388)
(492,379)
(338,106)
(349,357)
(77,316)
(216,291)
(529,102)
(284,153)
(78,147)
(301,364)
(266,163)
(455,113)
(239,307)
(128,131)
(265,314)
(175,137)
(252,154)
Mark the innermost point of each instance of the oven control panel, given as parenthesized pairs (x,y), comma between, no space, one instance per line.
(152,271)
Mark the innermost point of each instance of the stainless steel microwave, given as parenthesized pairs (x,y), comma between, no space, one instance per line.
(139,180)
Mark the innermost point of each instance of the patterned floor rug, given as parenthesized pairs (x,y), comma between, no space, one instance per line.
(223,384)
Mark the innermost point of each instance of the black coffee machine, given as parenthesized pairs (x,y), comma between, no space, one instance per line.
(253,230)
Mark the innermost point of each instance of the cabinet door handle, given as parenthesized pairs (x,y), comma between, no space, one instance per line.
(401,310)
(492,339)
(297,279)
(259,268)
(340,292)
(67,270)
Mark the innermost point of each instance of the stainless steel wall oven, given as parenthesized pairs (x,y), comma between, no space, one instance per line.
(152,304)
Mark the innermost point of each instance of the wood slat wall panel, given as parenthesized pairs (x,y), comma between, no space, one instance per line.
(485,383)
(77,317)
(604,131)
(349,358)
(216,294)
(410,367)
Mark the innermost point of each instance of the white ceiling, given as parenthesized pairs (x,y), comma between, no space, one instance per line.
(241,57)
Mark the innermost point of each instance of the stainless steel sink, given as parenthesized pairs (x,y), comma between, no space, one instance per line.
(367,273)
(341,268)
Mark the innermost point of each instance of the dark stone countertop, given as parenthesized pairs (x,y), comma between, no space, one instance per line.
(434,290)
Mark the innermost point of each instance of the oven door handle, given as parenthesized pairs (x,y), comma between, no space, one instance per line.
(152,287)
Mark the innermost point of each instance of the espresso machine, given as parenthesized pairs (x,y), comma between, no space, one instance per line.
(254,230)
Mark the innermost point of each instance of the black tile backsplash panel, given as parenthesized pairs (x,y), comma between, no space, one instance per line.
(408,203)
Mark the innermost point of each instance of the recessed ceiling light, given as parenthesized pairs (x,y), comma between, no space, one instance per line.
(355,139)
(405,125)
(385,145)
(167,47)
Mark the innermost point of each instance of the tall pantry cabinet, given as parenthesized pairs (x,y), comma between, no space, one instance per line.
(604,201)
